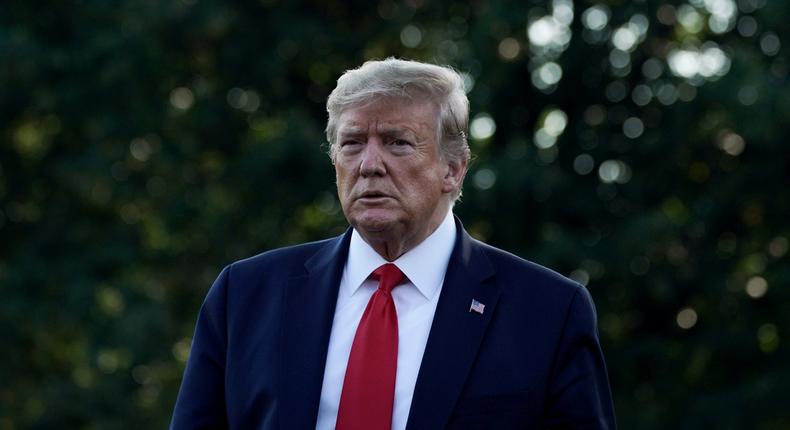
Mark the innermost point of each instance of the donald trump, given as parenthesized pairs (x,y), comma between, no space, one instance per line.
(404,321)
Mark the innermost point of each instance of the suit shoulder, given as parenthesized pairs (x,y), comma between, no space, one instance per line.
(530,273)
(286,258)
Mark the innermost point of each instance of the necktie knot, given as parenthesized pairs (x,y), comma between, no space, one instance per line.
(388,276)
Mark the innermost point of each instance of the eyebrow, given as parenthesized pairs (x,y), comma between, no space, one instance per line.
(386,130)
(395,131)
(351,128)
(351,132)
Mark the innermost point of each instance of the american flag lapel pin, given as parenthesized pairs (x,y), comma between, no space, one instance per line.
(477,307)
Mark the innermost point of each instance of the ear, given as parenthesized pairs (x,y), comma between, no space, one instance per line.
(454,176)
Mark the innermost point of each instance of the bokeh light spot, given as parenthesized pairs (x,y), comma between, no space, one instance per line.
(666,14)
(667,94)
(778,247)
(616,91)
(596,17)
(747,95)
(770,44)
(411,36)
(562,11)
(140,149)
(619,59)
(482,126)
(730,142)
(641,95)
(484,179)
(547,76)
(625,38)
(543,31)
(594,115)
(633,128)
(110,301)
(555,122)
(543,139)
(686,318)
(469,82)
(691,20)
(581,276)
(768,338)
(652,68)
(747,26)
(611,171)
(182,98)
(509,48)
(181,349)
(756,287)
(583,164)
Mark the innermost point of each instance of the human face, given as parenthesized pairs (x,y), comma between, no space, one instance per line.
(394,185)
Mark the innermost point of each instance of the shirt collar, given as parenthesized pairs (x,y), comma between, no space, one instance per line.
(424,265)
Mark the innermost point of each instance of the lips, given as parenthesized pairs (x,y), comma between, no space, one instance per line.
(372,196)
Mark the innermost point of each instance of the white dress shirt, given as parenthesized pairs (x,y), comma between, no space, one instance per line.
(415,302)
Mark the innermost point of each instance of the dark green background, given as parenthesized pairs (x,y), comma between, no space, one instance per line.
(144,145)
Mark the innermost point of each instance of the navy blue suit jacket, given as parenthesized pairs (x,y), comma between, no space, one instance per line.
(531,360)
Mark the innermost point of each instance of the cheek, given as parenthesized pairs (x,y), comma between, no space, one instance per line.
(423,185)
(344,180)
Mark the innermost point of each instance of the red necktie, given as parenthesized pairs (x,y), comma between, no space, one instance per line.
(369,386)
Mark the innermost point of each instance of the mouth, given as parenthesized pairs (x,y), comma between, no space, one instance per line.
(372,196)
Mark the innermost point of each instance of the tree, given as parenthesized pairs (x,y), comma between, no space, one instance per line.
(637,147)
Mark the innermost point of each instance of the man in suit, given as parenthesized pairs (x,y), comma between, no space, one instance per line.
(404,321)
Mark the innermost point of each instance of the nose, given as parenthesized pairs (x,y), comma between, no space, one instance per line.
(372,163)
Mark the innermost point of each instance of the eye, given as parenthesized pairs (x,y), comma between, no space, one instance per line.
(349,147)
(400,142)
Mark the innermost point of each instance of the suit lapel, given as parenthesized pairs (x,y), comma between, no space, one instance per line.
(456,334)
(308,311)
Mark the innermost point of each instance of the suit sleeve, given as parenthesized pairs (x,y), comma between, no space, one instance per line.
(579,395)
(201,399)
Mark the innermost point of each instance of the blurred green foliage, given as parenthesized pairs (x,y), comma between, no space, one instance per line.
(638,147)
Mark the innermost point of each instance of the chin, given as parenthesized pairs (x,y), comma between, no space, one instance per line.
(374,222)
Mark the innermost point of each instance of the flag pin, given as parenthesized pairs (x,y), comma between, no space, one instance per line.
(477,307)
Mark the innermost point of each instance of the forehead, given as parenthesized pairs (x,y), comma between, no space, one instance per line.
(419,116)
